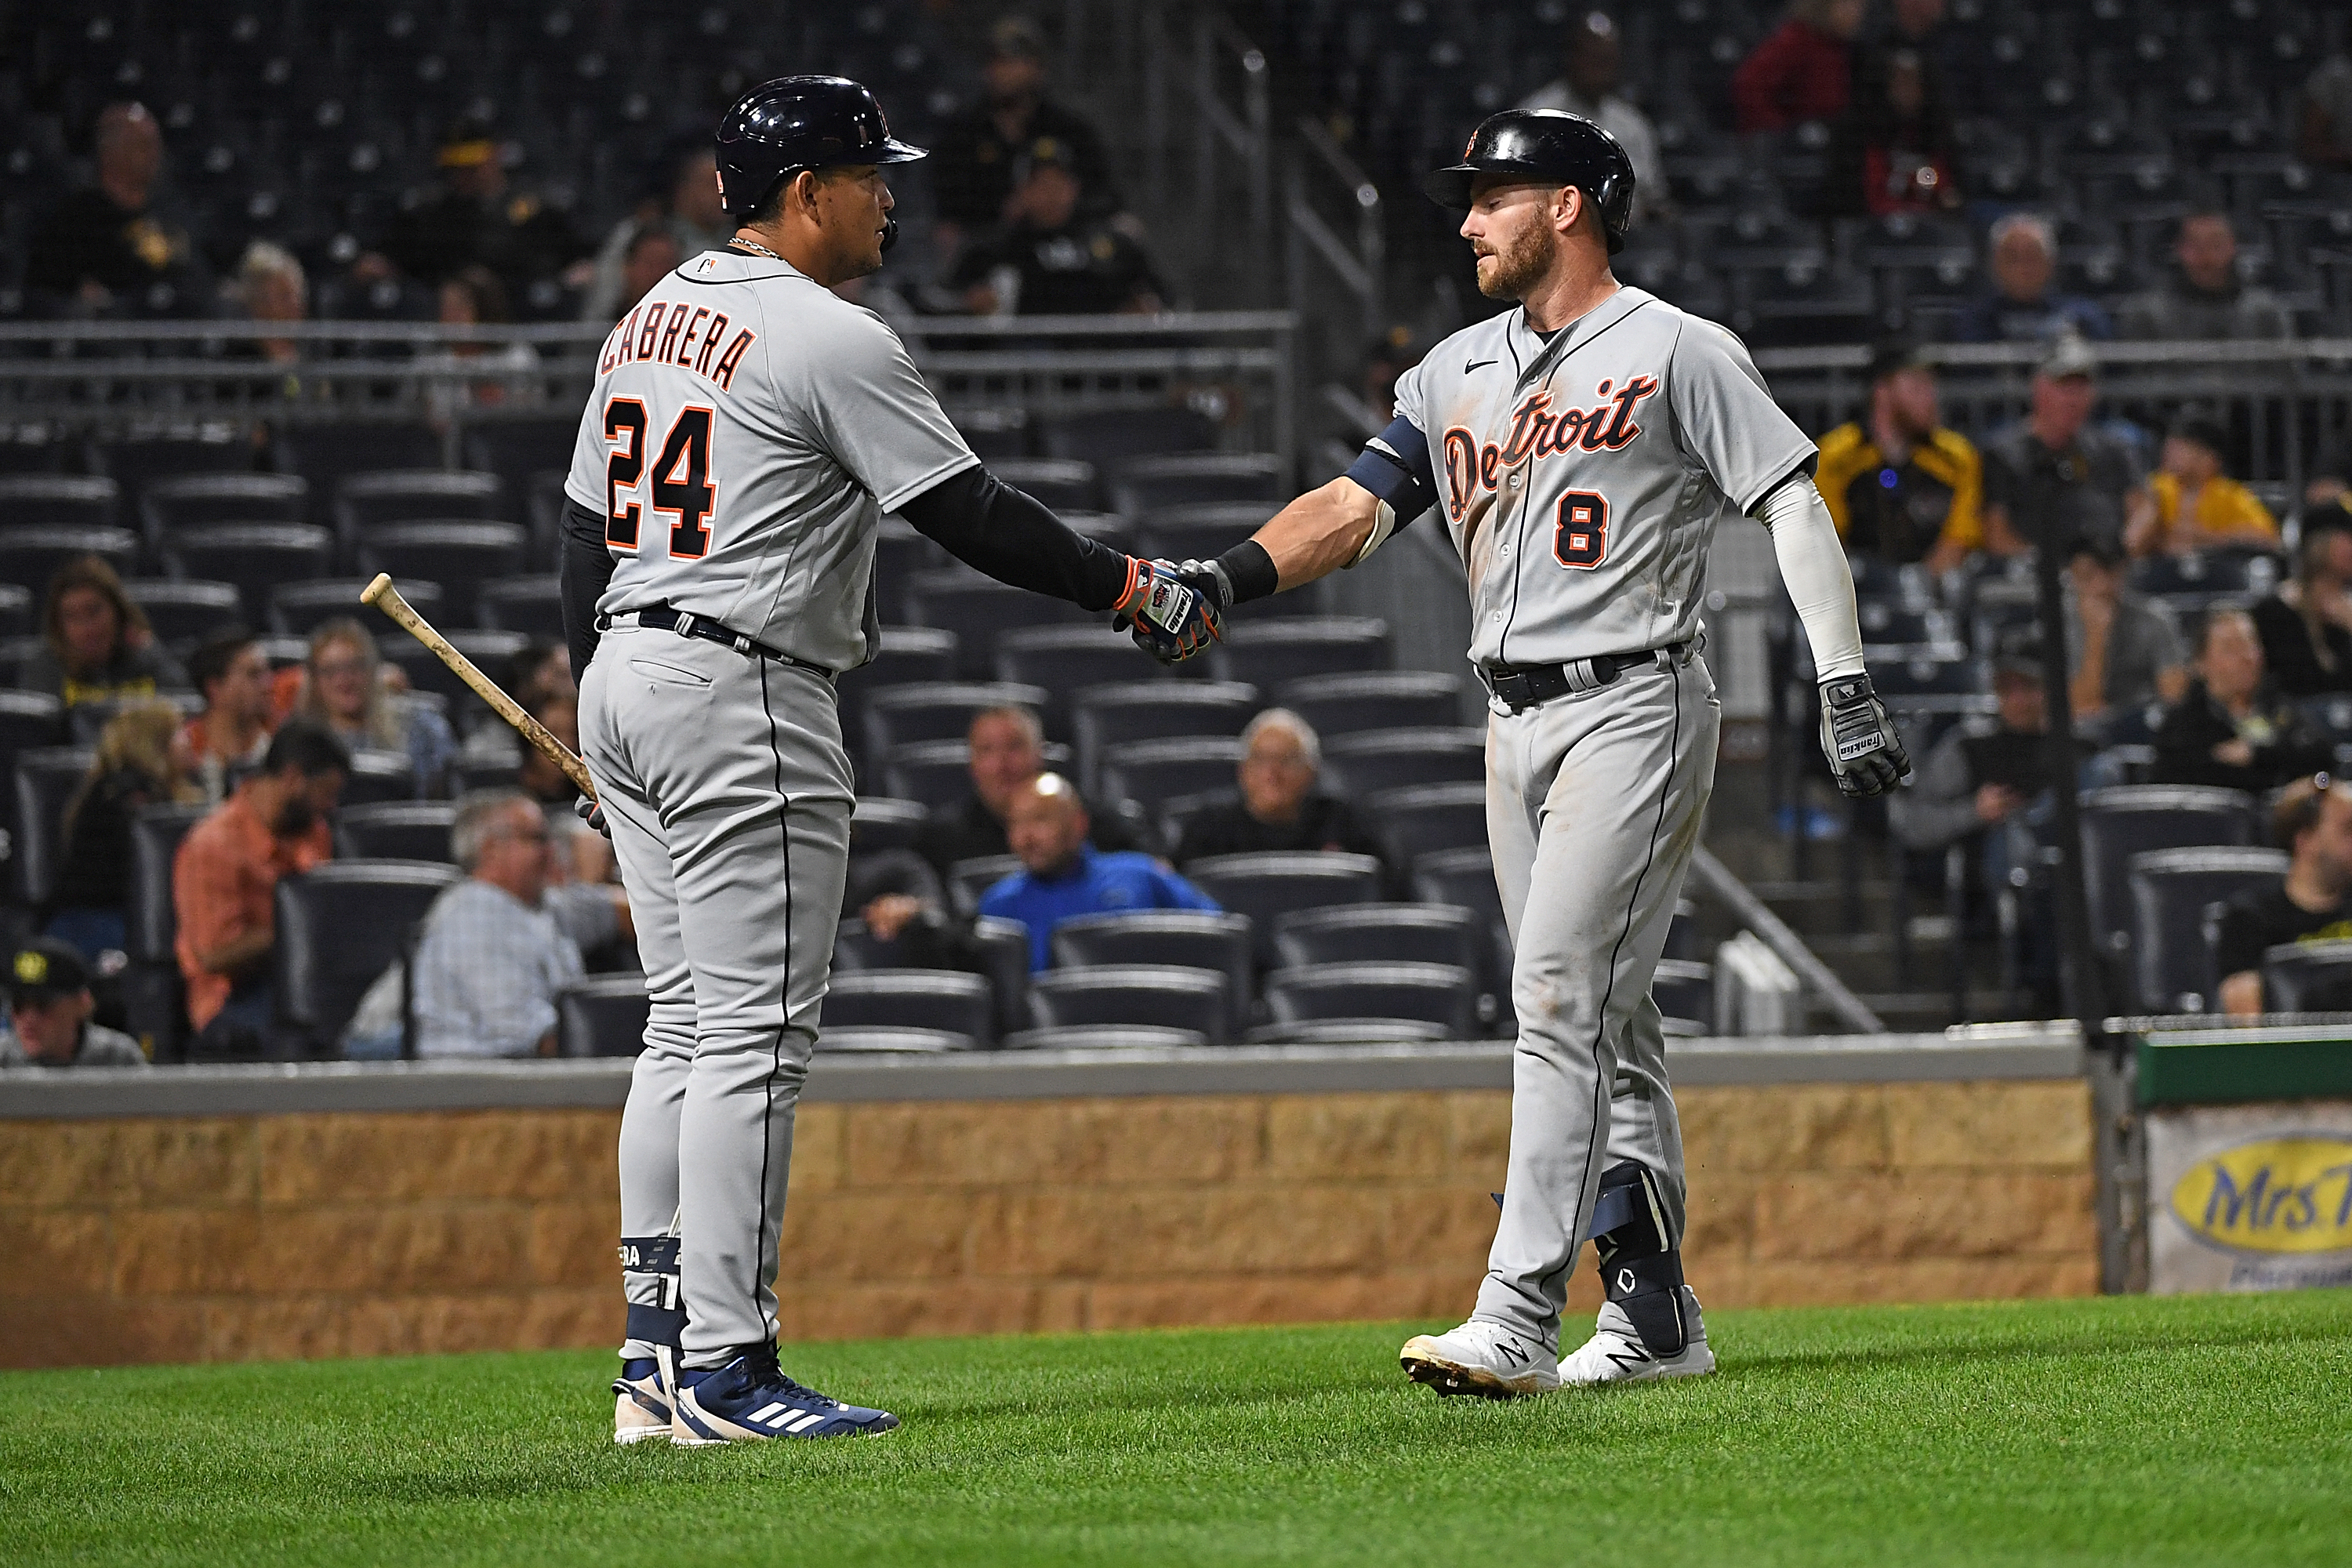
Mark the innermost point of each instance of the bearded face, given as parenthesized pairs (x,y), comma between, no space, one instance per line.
(1515,241)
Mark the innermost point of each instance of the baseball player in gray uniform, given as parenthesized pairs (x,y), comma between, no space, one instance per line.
(1581,451)
(747,431)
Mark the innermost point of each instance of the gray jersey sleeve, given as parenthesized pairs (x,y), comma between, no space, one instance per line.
(1412,403)
(1729,422)
(874,414)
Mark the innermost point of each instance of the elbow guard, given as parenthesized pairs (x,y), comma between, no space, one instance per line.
(1394,467)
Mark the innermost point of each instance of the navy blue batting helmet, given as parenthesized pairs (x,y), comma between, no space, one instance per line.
(1550,145)
(796,122)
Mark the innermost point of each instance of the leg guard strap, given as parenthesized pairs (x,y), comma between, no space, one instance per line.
(1641,1269)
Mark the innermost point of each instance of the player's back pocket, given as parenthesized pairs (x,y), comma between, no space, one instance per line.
(663,674)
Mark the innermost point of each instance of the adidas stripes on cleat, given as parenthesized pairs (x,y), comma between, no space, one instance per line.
(751,1400)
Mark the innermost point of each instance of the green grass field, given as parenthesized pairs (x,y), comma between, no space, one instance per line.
(2188,1431)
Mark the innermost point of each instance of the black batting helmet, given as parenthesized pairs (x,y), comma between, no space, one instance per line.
(1550,145)
(796,122)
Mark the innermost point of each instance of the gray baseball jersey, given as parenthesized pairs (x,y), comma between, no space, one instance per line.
(1582,479)
(747,431)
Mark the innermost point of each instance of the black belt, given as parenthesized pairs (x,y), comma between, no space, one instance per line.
(1520,687)
(685,624)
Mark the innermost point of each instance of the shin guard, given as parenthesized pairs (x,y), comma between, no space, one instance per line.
(1641,1268)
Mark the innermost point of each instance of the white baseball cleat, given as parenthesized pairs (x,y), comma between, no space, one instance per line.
(642,1410)
(1481,1359)
(1615,1353)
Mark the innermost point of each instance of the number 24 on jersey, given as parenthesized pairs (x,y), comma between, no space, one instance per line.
(681,481)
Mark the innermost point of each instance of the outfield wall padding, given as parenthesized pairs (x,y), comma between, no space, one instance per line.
(1306,1187)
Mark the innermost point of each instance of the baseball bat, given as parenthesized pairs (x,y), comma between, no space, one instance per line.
(385,597)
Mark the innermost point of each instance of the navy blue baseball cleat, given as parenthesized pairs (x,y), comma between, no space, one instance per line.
(750,1399)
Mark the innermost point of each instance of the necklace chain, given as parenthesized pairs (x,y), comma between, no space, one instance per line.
(753,245)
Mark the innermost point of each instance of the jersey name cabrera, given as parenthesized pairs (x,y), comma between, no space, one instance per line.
(747,431)
(1582,480)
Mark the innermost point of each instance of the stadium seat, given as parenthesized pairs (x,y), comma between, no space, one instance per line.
(396,830)
(2172,958)
(1133,994)
(1151,773)
(490,651)
(1143,485)
(1196,939)
(877,823)
(967,879)
(45,781)
(1373,761)
(935,774)
(365,502)
(181,613)
(136,463)
(460,556)
(602,1015)
(151,921)
(30,556)
(908,656)
(1105,717)
(339,926)
(1381,933)
(1440,993)
(912,998)
(197,501)
(1420,819)
(1064,484)
(1336,705)
(297,608)
(256,558)
(514,449)
(28,721)
(1268,886)
(1065,660)
(2132,819)
(1107,1037)
(1272,654)
(56,501)
(1104,436)
(16,610)
(869,1041)
(900,555)
(377,777)
(1463,878)
(325,454)
(531,606)
(905,715)
(977,609)
(2230,572)
(1349,1032)
(1199,531)
(1685,991)
(1921,670)
(2308,977)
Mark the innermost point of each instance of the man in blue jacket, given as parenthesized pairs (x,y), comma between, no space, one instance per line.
(1065,877)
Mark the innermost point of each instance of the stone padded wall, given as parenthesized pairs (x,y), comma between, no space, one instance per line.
(145,1240)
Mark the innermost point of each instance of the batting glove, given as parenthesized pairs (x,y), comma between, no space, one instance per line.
(1173,614)
(1859,738)
(592,812)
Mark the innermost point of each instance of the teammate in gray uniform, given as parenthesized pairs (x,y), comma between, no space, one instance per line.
(747,431)
(1581,451)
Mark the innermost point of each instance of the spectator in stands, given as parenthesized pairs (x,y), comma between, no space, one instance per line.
(96,644)
(2306,626)
(2323,125)
(271,286)
(232,675)
(2205,298)
(474,220)
(1063,877)
(541,671)
(117,247)
(685,220)
(1278,807)
(2198,507)
(584,854)
(134,765)
(2055,475)
(2123,651)
(1900,486)
(1049,259)
(978,158)
(1592,68)
(1008,753)
(1802,70)
(2312,821)
(49,1007)
(477,375)
(2023,307)
(342,688)
(225,879)
(2232,728)
(497,948)
(1893,151)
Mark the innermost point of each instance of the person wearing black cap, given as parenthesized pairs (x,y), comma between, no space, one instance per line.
(1899,485)
(1049,259)
(49,1007)
(477,219)
(981,157)
(2199,506)
(2057,470)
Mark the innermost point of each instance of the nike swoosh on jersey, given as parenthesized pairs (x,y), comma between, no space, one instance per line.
(1474,364)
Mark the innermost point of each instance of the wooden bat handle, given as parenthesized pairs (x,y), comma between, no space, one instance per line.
(385,597)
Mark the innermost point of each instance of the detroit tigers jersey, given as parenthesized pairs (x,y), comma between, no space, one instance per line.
(747,431)
(1582,480)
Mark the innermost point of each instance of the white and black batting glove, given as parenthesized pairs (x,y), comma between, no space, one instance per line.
(1859,738)
(592,812)
(1175,613)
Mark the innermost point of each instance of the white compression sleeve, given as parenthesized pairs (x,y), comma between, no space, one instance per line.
(1813,564)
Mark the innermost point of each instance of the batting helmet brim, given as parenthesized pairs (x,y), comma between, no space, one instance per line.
(1450,186)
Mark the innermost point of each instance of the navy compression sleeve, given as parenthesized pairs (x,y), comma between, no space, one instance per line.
(986,523)
(1394,466)
(586,568)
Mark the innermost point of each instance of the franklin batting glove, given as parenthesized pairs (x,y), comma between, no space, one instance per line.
(1859,738)
(1173,614)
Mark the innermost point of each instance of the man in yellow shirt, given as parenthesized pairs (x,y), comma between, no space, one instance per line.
(1901,486)
(2198,507)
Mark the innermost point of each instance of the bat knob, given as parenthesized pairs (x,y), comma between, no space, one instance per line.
(377,590)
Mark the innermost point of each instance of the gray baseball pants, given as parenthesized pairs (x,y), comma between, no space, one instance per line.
(729,794)
(1594,803)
